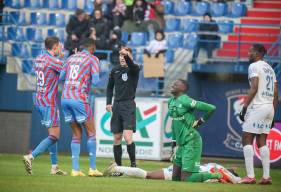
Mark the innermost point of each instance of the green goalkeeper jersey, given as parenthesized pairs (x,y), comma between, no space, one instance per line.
(181,110)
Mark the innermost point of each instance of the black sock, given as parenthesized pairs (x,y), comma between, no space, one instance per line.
(131,149)
(117,151)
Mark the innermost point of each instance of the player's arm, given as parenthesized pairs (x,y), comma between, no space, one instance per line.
(129,60)
(251,94)
(109,92)
(208,110)
(95,71)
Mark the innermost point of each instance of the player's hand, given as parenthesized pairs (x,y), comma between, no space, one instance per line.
(243,113)
(109,108)
(74,37)
(174,150)
(197,123)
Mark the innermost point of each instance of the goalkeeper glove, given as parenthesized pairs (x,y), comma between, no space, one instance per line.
(243,113)
(197,123)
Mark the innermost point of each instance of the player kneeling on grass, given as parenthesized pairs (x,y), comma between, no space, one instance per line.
(187,159)
(47,68)
(229,176)
(80,72)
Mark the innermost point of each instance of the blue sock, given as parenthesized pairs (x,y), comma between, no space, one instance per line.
(75,152)
(91,144)
(53,149)
(44,145)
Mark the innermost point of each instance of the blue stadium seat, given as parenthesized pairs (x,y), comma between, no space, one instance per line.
(38,18)
(170,56)
(16,4)
(51,4)
(125,37)
(201,8)
(69,4)
(89,6)
(38,35)
(238,10)
(137,39)
(172,24)
(11,33)
(57,19)
(168,6)
(57,32)
(16,47)
(218,9)
(225,26)
(175,40)
(17,17)
(24,51)
(190,41)
(26,66)
(36,49)
(189,25)
(2,35)
(20,34)
(182,8)
(33,4)
(147,84)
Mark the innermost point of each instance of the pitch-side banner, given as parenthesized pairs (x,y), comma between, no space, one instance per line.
(153,135)
(222,133)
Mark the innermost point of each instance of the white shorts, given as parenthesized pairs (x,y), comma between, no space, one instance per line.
(168,173)
(258,119)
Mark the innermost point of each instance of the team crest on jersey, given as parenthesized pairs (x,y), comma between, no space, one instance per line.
(235,102)
(124,76)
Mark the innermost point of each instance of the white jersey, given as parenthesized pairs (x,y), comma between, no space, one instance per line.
(267,78)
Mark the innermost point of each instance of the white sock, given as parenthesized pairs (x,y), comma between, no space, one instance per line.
(54,166)
(264,151)
(249,160)
(131,171)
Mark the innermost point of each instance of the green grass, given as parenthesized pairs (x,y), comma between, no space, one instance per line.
(13,178)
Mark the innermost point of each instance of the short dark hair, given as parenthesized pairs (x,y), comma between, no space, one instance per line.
(260,49)
(207,14)
(51,41)
(161,32)
(79,12)
(88,42)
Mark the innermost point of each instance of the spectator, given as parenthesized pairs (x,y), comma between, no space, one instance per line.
(156,46)
(139,9)
(118,13)
(115,45)
(75,28)
(156,13)
(99,41)
(99,4)
(101,25)
(207,41)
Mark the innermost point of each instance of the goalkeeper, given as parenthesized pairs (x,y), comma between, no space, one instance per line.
(187,159)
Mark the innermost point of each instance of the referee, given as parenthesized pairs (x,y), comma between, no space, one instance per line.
(124,78)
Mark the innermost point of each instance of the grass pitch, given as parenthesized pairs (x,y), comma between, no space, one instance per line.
(13,178)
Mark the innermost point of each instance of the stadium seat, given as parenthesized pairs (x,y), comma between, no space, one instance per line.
(218,9)
(172,24)
(17,17)
(16,4)
(2,35)
(69,4)
(175,40)
(24,51)
(201,8)
(33,4)
(147,84)
(57,32)
(51,4)
(38,35)
(38,18)
(16,47)
(182,8)
(125,37)
(190,41)
(189,25)
(137,39)
(36,50)
(26,66)
(11,33)
(20,34)
(225,26)
(168,6)
(57,19)
(238,10)
(89,6)
(170,56)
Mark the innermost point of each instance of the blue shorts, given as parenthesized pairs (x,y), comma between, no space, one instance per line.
(75,110)
(49,116)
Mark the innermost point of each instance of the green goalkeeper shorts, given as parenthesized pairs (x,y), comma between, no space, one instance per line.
(188,156)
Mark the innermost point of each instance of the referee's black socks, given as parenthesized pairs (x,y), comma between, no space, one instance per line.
(131,149)
(117,151)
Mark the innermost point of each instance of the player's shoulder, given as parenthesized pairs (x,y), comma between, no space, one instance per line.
(94,59)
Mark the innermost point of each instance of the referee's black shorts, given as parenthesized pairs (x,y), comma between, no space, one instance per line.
(123,116)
